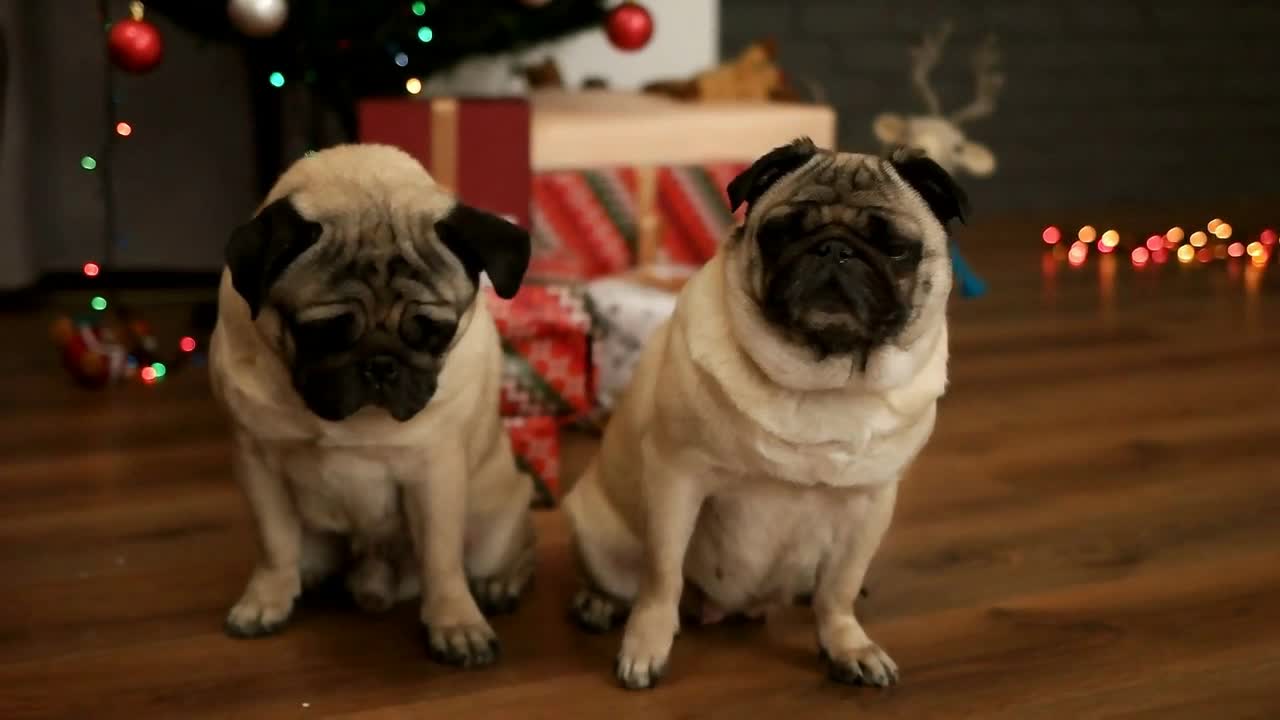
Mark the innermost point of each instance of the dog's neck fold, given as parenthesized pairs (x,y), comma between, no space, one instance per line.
(793,366)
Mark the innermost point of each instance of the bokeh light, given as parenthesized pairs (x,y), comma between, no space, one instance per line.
(1051,235)
(1204,255)
(88,162)
(402,59)
(159,369)
(425,34)
(148,374)
(124,129)
(1111,237)
(1223,231)
(1160,256)
(187,344)
(1078,254)
(1267,237)
(413,85)
(1199,239)
(1213,225)
(1140,256)
(1087,234)
(419,8)
(276,79)
(1175,234)
(1186,254)
(91,269)
(1235,249)
(1255,249)
(98,303)
(1154,243)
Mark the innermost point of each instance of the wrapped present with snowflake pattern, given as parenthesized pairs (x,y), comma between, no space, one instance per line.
(545,333)
(535,442)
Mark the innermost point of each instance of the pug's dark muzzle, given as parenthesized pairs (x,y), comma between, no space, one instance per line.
(381,380)
(838,292)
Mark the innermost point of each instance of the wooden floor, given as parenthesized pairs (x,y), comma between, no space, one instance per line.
(1093,532)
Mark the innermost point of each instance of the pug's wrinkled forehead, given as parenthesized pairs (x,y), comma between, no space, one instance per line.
(902,186)
(367,224)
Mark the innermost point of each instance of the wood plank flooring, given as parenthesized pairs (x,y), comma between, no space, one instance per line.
(1094,532)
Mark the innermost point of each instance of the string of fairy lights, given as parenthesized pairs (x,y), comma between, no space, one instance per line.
(1218,241)
(100,348)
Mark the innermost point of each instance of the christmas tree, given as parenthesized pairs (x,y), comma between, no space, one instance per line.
(331,53)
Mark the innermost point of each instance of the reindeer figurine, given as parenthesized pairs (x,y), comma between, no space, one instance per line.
(939,135)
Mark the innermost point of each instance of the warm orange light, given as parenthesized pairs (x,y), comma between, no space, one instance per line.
(124,129)
(1223,232)
(1186,254)
(1087,234)
(1175,234)
(1140,256)
(1079,252)
(1111,237)
(1213,225)
(1255,249)
(1199,239)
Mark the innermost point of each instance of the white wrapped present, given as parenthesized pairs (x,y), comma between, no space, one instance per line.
(626,310)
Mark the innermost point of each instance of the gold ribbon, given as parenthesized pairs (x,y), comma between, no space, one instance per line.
(444,142)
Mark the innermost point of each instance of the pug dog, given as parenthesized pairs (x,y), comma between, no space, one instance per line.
(755,456)
(361,373)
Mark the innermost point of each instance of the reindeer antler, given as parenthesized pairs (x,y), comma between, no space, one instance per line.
(987,83)
(923,58)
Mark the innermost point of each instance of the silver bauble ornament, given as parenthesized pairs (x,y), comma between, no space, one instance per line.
(258,18)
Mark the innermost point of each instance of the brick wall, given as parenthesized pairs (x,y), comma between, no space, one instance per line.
(1106,101)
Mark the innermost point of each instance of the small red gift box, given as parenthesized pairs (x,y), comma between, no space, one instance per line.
(476,147)
(535,441)
(545,333)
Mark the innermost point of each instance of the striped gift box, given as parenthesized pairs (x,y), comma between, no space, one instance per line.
(584,221)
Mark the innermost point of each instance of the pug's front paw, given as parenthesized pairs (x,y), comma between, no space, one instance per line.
(459,636)
(266,604)
(646,646)
(595,612)
(862,665)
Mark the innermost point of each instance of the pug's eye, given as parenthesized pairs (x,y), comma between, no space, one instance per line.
(326,335)
(424,334)
(899,250)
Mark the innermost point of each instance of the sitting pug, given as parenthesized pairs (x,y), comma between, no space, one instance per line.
(754,458)
(361,373)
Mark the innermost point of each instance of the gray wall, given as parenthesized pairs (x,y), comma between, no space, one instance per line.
(1106,101)
(183,178)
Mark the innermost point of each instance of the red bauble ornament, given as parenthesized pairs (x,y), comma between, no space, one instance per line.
(629,26)
(135,45)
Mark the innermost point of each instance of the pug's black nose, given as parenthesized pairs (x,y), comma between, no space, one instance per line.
(380,369)
(833,250)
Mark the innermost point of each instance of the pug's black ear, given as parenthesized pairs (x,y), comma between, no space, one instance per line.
(939,190)
(484,241)
(763,173)
(260,250)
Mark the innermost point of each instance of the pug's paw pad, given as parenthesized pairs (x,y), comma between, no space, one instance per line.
(646,646)
(596,612)
(466,646)
(865,665)
(498,595)
(265,606)
(639,673)
(373,586)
